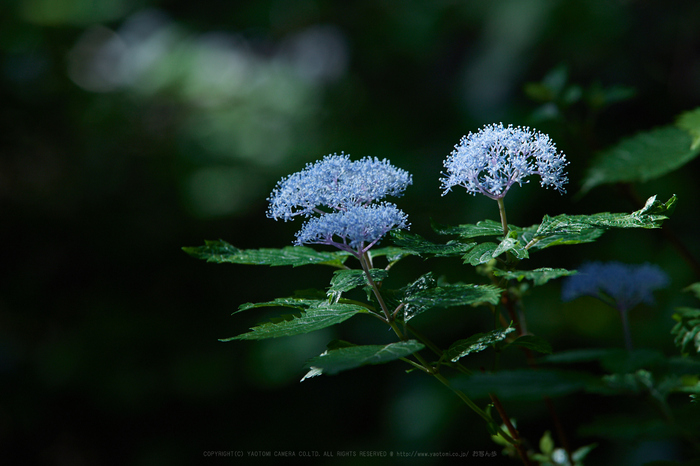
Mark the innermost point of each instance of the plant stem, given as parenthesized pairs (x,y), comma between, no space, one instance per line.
(511,428)
(626,329)
(502,211)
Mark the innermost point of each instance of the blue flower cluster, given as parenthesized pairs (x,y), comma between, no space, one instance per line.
(497,157)
(621,285)
(342,193)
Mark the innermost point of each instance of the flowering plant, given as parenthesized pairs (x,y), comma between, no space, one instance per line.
(343,203)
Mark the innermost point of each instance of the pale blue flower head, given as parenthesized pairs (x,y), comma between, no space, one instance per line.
(336,183)
(355,229)
(492,160)
(623,286)
(340,197)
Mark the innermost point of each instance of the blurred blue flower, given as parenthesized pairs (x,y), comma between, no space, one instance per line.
(357,229)
(497,157)
(336,183)
(339,195)
(623,286)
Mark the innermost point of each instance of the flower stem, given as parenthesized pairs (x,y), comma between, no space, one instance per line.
(502,211)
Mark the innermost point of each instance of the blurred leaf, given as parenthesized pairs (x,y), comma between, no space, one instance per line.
(222,252)
(694,288)
(532,342)
(687,330)
(690,121)
(578,355)
(526,385)
(643,157)
(476,343)
(418,245)
(547,443)
(319,316)
(538,276)
(350,357)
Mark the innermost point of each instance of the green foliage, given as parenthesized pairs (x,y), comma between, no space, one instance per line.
(538,276)
(573,229)
(480,254)
(525,385)
(647,155)
(476,343)
(222,252)
(346,280)
(418,245)
(318,315)
(687,330)
(454,295)
(350,357)
(531,342)
(482,228)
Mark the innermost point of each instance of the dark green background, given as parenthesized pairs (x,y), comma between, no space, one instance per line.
(132,128)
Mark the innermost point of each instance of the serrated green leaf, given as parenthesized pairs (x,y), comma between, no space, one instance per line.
(579,228)
(642,157)
(532,342)
(453,295)
(512,245)
(293,302)
(346,280)
(480,254)
(315,318)
(538,276)
(690,122)
(223,252)
(392,253)
(419,245)
(482,228)
(687,330)
(476,343)
(345,358)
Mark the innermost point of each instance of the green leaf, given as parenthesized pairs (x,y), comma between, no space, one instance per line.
(570,228)
(547,443)
(480,254)
(532,342)
(642,157)
(223,252)
(687,330)
(346,280)
(418,245)
(392,254)
(423,283)
(538,276)
(482,228)
(345,358)
(512,245)
(293,302)
(476,343)
(454,295)
(315,318)
(690,121)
